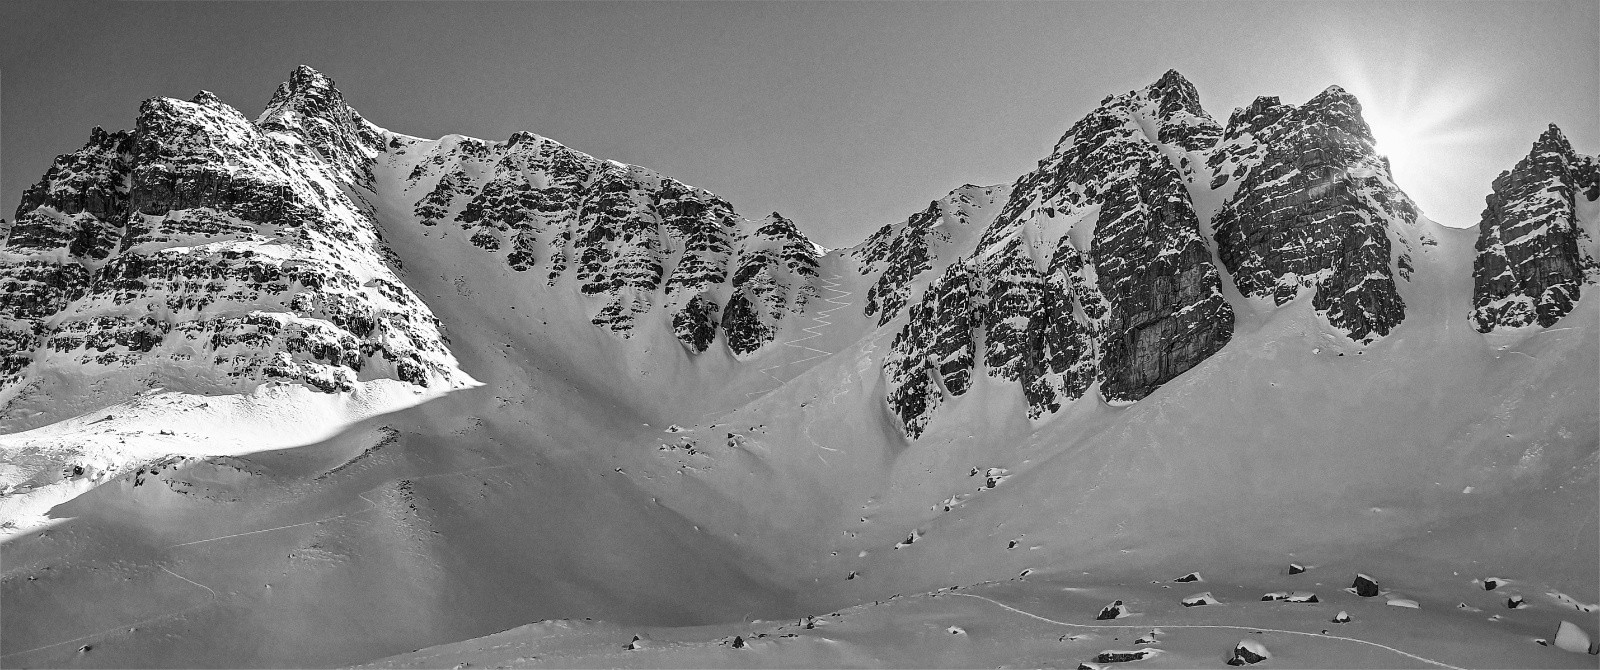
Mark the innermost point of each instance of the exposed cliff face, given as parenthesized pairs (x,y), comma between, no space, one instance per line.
(1535,251)
(1313,206)
(1094,270)
(901,254)
(640,242)
(66,225)
(203,248)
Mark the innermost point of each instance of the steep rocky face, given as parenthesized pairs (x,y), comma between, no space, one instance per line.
(309,108)
(1313,206)
(224,254)
(1534,254)
(66,225)
(636,241)
(1094,271)
(932,357)
(902,253)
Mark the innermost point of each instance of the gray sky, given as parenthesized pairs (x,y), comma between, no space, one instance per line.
(841,116)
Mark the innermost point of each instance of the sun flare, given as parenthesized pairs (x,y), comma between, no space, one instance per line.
(1420,122)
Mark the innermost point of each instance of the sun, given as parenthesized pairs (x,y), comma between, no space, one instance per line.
(1392,139)
(1420,122)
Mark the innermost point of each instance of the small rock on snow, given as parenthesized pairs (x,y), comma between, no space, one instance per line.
(1118,656)
(1249,652)
(1365,586)
(1112,611)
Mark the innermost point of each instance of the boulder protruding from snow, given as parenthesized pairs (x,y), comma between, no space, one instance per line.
(1569,637)
(1119,656)
(1516,602)
(1342,617)
(1191,577)
(1115,610)
(1365,586)
(1249,652)
(1291,596)
(1296,568)
(1199,599)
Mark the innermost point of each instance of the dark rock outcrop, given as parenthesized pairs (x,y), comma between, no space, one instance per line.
(1365,586)
(901,253)
(1117,656)
(1248,652)
(1533,256)
(1313,206)
(1115,610)
(932,358)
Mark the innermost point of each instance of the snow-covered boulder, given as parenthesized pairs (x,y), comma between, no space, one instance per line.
(1248,652)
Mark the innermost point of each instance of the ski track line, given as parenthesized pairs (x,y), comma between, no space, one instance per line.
(362,495)
(1243,628)
(812,331)
(134,624)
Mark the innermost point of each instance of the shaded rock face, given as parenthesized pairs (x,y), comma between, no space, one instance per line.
(1313,206)
(223,252)
(932,357)
(1533,256)
(901,254)
(1095,270)
(636,241)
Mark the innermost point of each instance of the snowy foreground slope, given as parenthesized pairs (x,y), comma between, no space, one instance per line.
(304,391)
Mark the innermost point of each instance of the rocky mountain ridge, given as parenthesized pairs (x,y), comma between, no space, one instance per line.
(254,248)
(207,248)
(622,233)
(204,252)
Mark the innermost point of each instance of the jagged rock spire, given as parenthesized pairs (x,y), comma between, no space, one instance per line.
(1313,206)
(1533,257)
(311,108)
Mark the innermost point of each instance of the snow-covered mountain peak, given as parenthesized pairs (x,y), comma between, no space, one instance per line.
(308,108)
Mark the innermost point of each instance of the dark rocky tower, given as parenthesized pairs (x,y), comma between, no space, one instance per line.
(1533,258)
(1313,206)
